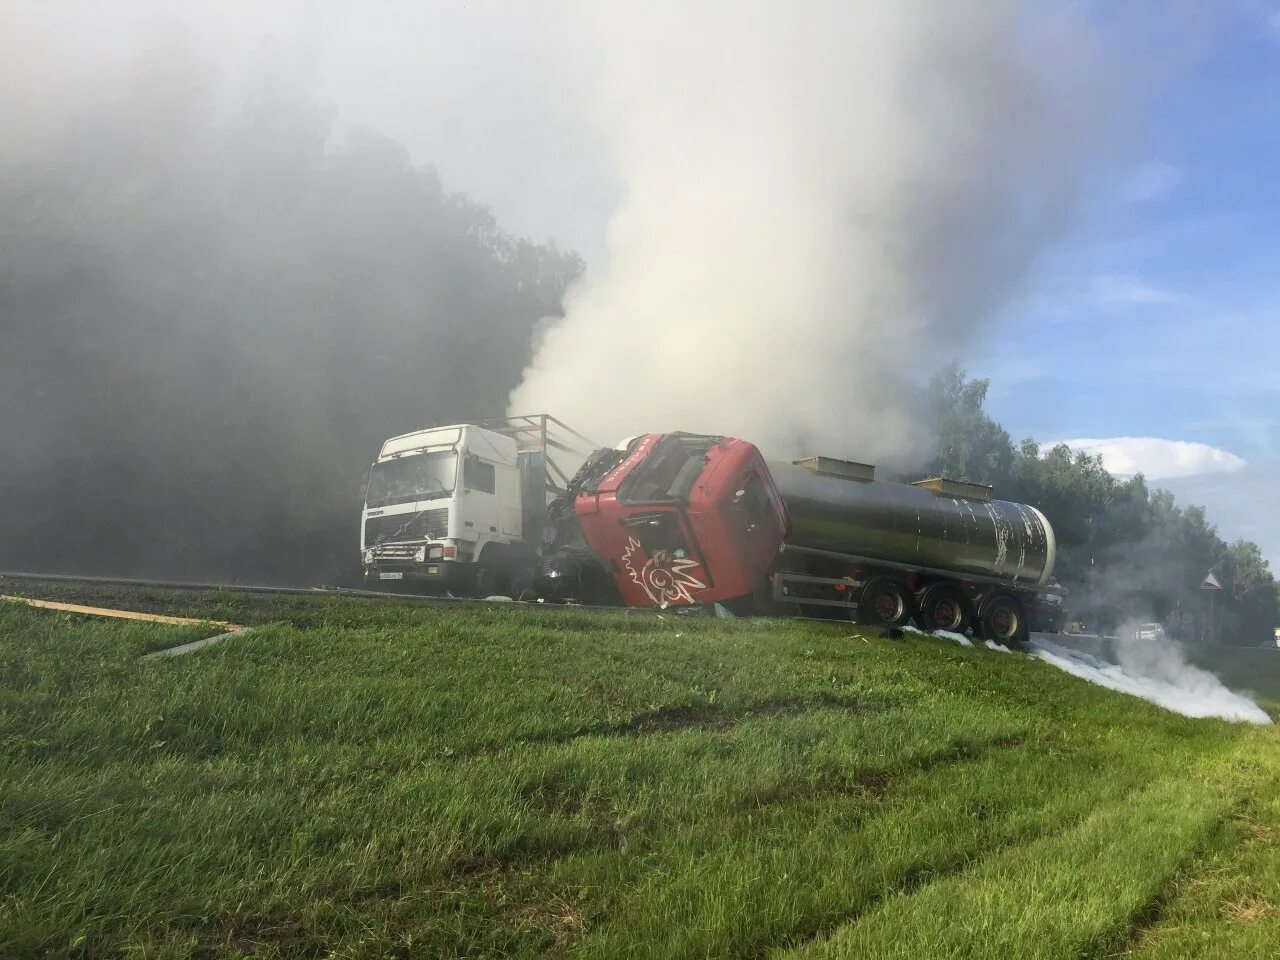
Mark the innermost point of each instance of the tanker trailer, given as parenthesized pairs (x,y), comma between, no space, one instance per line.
(942,552)
(687,519)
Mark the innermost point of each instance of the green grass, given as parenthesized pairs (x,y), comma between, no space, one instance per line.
(358,779)
(1229,904)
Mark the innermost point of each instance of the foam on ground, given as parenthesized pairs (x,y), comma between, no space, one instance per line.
(1157,673)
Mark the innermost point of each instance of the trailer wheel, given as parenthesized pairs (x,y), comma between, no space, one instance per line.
(884,603)
(1004,620)
(944,607)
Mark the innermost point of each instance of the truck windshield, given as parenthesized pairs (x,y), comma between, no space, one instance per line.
(421,476)
(670,469)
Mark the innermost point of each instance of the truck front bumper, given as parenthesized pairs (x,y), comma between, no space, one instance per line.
(435,576)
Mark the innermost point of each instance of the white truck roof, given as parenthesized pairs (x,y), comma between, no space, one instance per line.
(421,440)
(501,448)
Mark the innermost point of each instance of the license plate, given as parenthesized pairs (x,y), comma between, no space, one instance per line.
(398,575)
(432,570)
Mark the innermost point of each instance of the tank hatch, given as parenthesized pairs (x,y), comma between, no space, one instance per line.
(961,489)
(844,469)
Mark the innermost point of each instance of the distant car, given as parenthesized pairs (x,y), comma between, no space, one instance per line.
(1149,631)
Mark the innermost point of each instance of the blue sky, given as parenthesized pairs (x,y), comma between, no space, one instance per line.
(1159,316)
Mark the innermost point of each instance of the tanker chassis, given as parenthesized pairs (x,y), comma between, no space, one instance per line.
(687,519)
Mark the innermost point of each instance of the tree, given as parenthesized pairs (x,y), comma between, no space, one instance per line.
(1250,589)
(971,446)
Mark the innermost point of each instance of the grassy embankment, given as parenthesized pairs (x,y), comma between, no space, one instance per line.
(360,780)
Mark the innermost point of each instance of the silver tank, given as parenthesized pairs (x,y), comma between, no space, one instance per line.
(905,524)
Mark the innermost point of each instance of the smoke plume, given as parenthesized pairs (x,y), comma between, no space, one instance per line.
(822,203)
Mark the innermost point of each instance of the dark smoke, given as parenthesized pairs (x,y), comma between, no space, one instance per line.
(212,312)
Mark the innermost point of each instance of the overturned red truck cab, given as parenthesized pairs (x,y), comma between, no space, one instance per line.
(685,519)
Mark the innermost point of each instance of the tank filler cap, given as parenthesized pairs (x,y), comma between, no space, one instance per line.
(961,489)
(844,469)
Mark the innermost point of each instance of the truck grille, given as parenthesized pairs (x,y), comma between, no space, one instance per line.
(393,551)
(428,525)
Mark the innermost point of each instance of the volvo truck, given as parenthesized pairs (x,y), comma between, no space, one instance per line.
(459,509)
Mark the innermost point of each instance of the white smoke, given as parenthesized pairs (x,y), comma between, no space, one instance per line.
(1157,671)
(821,203)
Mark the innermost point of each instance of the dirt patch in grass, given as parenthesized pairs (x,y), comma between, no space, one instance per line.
(872,785)
(715,717)
(679,718)
(875,783)
(505,895)
(248,934)
(559,918)
(1249,910)
(1255,833)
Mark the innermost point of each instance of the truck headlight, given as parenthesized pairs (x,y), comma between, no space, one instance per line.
(368,556)
(435,553)
(420,554)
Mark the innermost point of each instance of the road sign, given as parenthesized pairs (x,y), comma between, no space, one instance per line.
(1212,585)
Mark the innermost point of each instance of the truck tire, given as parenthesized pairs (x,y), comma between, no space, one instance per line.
(1003,620)
(885,603)
(942,606)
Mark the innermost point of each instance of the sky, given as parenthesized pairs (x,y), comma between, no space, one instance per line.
(1147,331)
(1153,334)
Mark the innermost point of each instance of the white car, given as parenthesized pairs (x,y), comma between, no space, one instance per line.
(1149,631)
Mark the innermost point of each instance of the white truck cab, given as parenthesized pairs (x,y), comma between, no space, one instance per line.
(459,508)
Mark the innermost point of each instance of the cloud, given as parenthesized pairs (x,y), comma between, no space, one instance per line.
(1157,458)
(1112,290)
(1240,504)
(1151,182)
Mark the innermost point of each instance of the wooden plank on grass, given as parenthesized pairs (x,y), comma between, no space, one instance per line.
(122,614)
